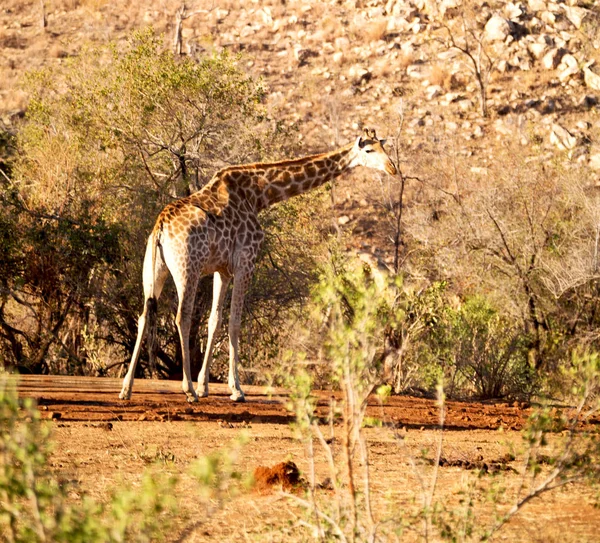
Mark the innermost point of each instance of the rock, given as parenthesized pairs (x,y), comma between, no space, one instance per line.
(568,67)
(536,5)
(432,91)
(592,80)
(359,75)
(594,162)
(520,63)
(569,60)
(302,55)
(266,15)
(342,43)
(446,5)
(552,58)
(537,49)
(344,219)
(548,17)
(513,11)
(338,57)
(416,70)
(397,24)
(583,125)
(575,14)
(220,14)
(589,101)
(502,128)
(562,138)
(497,28)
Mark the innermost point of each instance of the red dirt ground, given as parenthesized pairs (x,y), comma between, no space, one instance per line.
(101,442)
(89,399)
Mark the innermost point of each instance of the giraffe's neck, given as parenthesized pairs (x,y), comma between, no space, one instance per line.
(269,183)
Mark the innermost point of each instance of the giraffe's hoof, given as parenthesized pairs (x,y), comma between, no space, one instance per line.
(202,393)
(125,395)
(191,396)
(238,396)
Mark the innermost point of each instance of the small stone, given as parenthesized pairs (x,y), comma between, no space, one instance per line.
(562,138)
(338,57)
(569,61)
(342,43)
(592,80)
(575,14)
(513,11)
(552,58)
(548,17)
(432,91)
(583,125)
(536,5)
(497,28)
(344,219)
(567,73)
(594,162)
(537,49)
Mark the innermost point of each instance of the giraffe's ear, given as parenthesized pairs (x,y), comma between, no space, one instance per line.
(382,142)
(361,142)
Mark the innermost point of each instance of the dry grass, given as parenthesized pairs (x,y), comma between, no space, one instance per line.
(441,76)
(406,58)
(97,460)
(374,30)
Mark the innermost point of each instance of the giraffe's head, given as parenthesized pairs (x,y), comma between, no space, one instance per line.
(368,151)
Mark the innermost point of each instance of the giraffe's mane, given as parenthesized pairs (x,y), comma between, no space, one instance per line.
(282,163)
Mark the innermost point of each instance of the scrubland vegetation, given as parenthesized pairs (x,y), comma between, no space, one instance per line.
(496,275)
(474,274)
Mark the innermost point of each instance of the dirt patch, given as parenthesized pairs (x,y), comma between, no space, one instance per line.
(102,442)
(480,464)
(285,475)
(87,399)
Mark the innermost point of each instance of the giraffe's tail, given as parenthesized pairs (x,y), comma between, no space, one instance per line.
(151,337)
(152,281)
(152,304)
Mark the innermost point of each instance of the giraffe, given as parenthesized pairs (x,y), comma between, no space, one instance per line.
(216,231)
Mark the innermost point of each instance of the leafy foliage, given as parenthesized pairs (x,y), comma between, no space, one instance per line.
(34,505)
(110,138)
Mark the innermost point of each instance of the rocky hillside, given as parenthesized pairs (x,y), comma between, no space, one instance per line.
(334,66)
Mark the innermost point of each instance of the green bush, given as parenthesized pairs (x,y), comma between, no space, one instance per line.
(110,137)
(33,502)
(478,351)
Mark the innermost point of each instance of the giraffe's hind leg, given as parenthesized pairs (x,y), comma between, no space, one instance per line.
(186,285)
(154,280)
(220,283)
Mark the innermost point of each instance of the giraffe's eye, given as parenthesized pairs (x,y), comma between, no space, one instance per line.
(369,151)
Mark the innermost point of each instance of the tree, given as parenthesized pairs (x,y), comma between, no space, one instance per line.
(110,138)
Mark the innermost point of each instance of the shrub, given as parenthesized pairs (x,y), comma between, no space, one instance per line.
(34,505)
(111,137)
(479,351)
